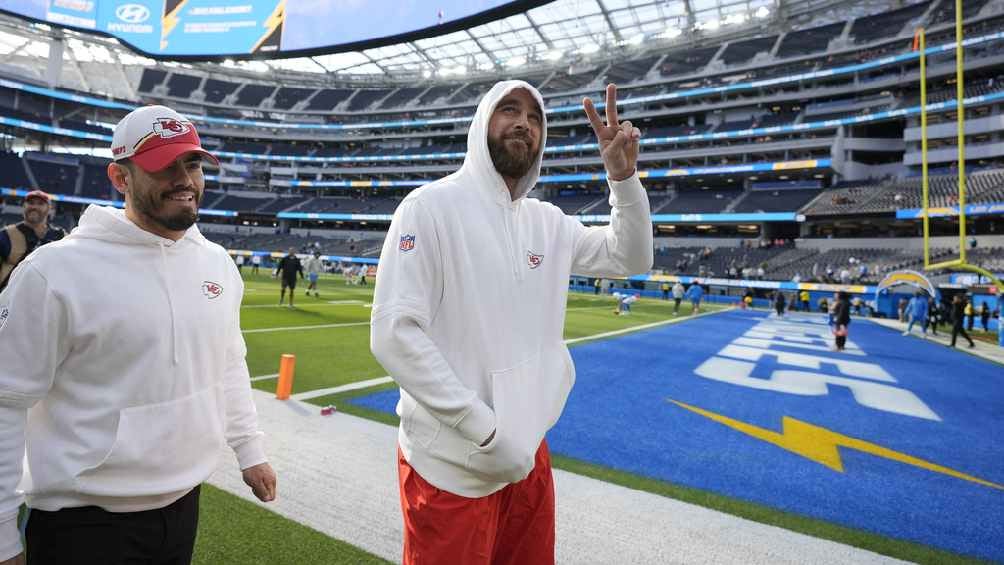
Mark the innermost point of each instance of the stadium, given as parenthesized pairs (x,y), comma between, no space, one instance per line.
(790,150)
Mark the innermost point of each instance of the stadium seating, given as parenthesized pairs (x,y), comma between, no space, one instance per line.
(739,52)
(12,174)
(216,90)
(401,97)
(983,187)
(287,97)
(182,86)
(364,97)
(328,98)
(701,201)
(677,64)
(253,94)
(150,79)
(870,28)
(775,200)
(56,176)
(808,41)
(626,72)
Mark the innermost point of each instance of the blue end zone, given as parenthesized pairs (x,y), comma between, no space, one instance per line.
(928,402)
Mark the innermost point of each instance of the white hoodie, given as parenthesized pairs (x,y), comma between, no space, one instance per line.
(470,308)
(122,352)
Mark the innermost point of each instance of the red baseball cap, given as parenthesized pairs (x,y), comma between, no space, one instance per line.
(153,137)
(38,194)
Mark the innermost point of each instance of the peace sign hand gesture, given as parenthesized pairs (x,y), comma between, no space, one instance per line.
(618,141)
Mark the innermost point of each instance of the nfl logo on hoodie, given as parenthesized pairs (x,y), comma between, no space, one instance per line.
(407,243)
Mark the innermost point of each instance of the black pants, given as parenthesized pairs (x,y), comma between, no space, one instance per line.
(957,330)
(676,305)
(92,536)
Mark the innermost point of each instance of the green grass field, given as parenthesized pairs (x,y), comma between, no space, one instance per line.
(330,338)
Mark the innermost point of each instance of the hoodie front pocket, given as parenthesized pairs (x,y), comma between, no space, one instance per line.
(528,399)
(161,448)
(421,426)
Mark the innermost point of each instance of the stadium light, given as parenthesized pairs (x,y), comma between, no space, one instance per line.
(553,55)
(517,61)
(708,25)
(671,33)
(762,12)
(426,73)
(736,18)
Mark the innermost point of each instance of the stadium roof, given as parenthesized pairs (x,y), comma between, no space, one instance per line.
(560,33)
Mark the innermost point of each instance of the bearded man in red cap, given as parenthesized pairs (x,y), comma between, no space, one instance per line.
(20,239)
(123,370)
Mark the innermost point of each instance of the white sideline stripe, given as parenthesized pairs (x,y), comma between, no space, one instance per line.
(264,377)
(643,326)
(359,303)
(338,475)
(300,328)
(336,389)
(383,380)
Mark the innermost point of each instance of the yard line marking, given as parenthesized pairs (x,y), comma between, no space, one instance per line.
(342,388)
(264,377)
(642,327)
(302,328)
(314,304)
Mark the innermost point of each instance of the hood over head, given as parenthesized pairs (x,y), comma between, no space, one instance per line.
(479,161)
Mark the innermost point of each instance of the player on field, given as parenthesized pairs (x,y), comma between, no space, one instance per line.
(485,374)
(287,269)
(313,266)
(694,294)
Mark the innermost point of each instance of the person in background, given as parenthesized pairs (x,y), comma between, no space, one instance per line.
(287,269)
(841,320)
(17,241)
(239,261)
(665,290)
(313,267)
(804,298)
(970,315)
(255,263)
(918,313)
(985,317)
(677,297)
(779,303)
(694,294)
(934,315)
(959,304)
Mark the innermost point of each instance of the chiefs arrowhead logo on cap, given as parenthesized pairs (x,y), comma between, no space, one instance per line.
(533,259)
(170,127)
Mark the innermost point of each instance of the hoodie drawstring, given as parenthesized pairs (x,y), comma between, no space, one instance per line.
(170,303)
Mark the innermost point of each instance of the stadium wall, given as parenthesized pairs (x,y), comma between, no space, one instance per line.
(894,243)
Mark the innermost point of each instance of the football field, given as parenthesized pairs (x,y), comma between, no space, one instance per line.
(888,447)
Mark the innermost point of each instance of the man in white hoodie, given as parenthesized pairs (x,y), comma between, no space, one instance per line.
(123,371)
(468,318)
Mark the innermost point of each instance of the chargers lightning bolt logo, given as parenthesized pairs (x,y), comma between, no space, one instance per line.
(820,444)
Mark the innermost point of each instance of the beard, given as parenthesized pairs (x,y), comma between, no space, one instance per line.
(34,216)
(151,204)
(513,163)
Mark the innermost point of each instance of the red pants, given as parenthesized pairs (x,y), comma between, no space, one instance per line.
(513,526)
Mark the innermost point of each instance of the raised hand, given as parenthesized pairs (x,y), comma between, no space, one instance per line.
(618,141)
